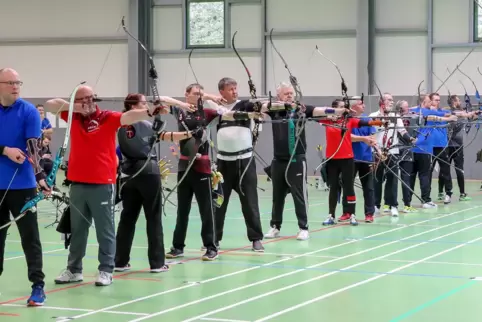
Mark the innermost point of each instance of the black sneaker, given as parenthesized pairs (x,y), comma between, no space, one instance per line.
(163,268)
(175,253)
(122,268)
(210,255)
(257,246)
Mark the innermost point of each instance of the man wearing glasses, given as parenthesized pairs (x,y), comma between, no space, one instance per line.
(92,171)
(20,173)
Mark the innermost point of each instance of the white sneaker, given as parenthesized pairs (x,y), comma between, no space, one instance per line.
(377,211)
(68,277)
(103,279)
(447,199)
(303,234)
(429,205)
(394,211)
(273,232)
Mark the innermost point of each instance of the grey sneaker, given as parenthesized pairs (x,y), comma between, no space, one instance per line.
(68,277)
(258,246)
(103,279)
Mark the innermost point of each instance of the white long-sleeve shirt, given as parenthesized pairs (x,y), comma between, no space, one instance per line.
(381,131)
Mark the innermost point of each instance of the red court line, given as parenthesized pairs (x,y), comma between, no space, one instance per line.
(139,279)
(181,261)
(9,314)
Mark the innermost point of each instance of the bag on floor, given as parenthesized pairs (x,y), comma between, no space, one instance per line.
(64,227)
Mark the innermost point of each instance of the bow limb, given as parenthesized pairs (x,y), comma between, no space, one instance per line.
(346,99)
(257,108)
(32,203)
(158,123)
(300,125)
(293,79)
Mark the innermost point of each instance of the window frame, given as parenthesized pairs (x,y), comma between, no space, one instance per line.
(188,29)
(477,10)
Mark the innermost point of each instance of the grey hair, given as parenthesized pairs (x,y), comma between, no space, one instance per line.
(398,106)
(282,86)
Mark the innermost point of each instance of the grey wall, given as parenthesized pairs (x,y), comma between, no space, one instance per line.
(314,132)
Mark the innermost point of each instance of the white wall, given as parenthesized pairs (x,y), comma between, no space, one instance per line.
(42,46)
(452,25)
(400,57)
(315,74)
(401,45)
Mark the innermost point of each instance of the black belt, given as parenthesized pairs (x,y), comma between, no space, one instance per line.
(232,154)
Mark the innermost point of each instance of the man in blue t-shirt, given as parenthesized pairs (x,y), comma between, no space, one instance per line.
(423,150)
(440,138)
(45,125)
(20,173)
(363,140)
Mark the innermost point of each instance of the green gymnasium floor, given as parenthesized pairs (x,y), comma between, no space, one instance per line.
(417,268)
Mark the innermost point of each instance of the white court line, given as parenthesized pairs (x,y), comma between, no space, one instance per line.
(302,270)
(286,255)
(23,256)
(269,317)
(222,320)
(261,266)
(75,309)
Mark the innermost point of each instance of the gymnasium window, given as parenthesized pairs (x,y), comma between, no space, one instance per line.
(478,21)
(205,23)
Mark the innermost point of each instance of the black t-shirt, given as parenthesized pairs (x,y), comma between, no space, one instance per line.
(193,121)
(284,133)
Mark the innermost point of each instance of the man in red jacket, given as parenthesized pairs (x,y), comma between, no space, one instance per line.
(92,171)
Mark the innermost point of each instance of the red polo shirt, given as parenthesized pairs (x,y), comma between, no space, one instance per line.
(333,138)
(93,157)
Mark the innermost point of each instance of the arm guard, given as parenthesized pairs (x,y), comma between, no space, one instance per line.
(33,153)
(240,116)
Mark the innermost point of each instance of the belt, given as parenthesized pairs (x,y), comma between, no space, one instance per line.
(232,154)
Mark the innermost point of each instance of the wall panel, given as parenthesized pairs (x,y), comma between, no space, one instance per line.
(400,63)
(311,14)
(50,71)
(407,14)
(246,19)
(167,28)
(316,76)
(62,18)
(451,21)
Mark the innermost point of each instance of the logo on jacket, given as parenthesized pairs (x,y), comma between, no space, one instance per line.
(130,132)
(92,126)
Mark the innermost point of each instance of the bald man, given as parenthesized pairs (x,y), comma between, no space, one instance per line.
(92,171)
(20,137)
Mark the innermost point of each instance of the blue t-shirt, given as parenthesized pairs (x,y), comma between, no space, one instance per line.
(361,150)
(118,152)
(428,137)
(46,124)
(19,122)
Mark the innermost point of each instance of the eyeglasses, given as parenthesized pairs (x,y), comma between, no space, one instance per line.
(11,83)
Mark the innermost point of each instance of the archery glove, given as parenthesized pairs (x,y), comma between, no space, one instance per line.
(478,156)
(197,133)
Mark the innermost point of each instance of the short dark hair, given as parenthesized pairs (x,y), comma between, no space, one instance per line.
(452,99)
(191,86)
(131,100)
(226,81)
(335,103)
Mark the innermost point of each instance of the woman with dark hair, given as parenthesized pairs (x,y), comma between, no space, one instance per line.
(140,185)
